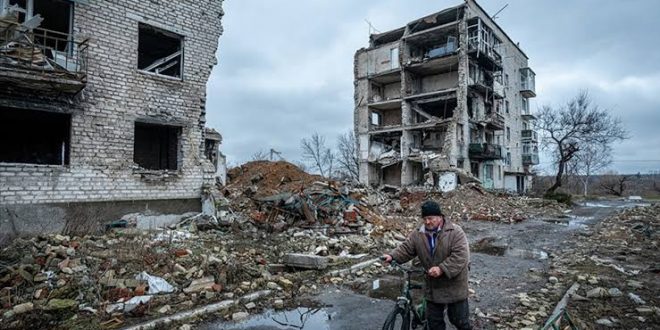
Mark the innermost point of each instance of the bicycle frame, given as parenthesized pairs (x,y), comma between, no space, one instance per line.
(404,301)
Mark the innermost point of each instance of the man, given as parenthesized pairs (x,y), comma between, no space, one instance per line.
(443,250)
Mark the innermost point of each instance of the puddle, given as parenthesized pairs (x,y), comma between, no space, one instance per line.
(594,204)
(526,254)
(579,222)
(300,318)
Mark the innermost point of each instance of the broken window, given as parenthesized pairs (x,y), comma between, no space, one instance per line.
(34,137)
(52,16)
(160,51)
(156,147)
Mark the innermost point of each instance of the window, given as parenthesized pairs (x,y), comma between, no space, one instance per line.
(375,119)
(508,134)
(160,52)
(34,137)
(488,172)
(525,105)
(156,147)
(506,80)
(394,58)
(506,106)
(508,158)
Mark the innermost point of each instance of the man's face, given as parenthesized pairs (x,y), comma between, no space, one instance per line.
(432,222)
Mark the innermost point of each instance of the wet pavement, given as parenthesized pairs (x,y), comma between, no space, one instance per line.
(519,266)
(343,310)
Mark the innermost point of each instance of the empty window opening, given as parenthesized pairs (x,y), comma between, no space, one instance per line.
(34,137)
(159,51)
(442,109)
(53,18)
(156,147)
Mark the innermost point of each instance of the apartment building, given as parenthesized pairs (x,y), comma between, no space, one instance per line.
(102,109)
(443,97)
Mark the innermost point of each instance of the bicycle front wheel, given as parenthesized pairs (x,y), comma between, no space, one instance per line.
(397,319)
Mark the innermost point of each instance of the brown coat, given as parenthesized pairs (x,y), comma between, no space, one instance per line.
(452,254)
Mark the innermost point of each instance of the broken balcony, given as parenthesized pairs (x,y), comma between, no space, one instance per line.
(493,120)
(527,83)
(498,89)
(483,45)
(40,59)
(485,151)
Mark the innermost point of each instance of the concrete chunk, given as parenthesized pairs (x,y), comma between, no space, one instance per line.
(306,261)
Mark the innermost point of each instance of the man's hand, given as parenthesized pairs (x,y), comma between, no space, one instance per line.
(435,271)
(386,258)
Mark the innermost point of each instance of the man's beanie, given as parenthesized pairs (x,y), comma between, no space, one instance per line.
(431,208)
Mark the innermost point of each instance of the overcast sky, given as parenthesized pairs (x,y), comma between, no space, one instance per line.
(285,68)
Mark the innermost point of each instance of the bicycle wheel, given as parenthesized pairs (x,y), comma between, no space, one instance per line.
(397,319)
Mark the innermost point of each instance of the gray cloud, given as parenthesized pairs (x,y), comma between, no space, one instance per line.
(286,68)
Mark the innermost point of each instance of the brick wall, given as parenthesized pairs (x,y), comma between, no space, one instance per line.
(116,95)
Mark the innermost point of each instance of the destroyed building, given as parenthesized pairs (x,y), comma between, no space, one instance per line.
(102,109)
(445,96)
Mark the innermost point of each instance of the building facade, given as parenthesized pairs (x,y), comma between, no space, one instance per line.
(442,97)
(102,108)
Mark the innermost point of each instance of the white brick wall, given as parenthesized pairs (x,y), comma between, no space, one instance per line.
(103,114)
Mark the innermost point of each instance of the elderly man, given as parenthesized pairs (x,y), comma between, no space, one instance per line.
(443,250)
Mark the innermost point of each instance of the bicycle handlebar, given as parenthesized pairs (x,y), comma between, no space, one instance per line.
(395,264)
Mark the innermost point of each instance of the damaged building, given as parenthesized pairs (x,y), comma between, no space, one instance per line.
(102,110)
(445,99)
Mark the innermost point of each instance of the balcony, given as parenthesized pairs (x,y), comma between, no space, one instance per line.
(530,159)
(41,60)
(493,121)
(485,151)
(483,45)
(527,82)
(527,114)
(528,135)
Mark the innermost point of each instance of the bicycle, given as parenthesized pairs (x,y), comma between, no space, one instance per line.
(409,316)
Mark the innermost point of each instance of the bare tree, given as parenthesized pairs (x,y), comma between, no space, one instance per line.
(615,184)
(569,128)
(347,155)
(260,155)
(590,160)
(318,154)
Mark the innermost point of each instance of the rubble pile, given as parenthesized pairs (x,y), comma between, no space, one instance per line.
(278,195)
(127,275)
(614,269)
(264,178)
(471,202)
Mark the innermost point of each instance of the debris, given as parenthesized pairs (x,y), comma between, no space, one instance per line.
(239,316)
(306,261)
(156,284)
(60,304)
(22,308)
(636,299)
(202,284)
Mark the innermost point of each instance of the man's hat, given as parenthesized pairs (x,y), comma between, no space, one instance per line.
(431,208)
